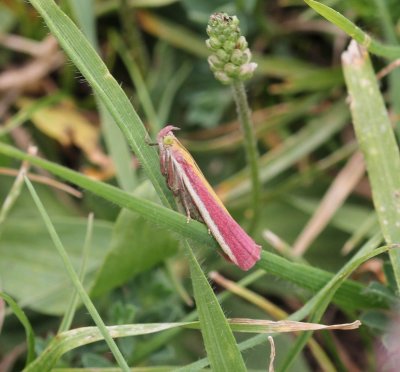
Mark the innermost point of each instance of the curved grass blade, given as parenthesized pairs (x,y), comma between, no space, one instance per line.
(30,336)
(374,46)
(75,338)
(216,339)
(114,140)
(319,303)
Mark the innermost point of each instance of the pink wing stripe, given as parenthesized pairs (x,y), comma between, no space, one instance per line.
(243,248)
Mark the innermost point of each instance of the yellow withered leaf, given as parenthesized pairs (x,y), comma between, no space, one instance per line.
(65,124)
(68,126)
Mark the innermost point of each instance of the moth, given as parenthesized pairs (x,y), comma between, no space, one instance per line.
(200,202)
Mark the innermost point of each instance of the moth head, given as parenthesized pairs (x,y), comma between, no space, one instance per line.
(165,136)
(168,140)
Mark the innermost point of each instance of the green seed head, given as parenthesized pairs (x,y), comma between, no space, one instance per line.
(230,56)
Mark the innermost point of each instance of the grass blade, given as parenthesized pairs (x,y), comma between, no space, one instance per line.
(218,342)
(319,303)
(75,280)
(70,312)
(30,336)
(70,340)
(377,142)
(374,46)
(302,275)
(115,141)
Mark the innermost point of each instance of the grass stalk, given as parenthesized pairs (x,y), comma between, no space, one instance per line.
(135,74)
(250,145)
(70,312)
(377,142)
(75,280)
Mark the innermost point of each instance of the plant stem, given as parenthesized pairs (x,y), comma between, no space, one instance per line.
(250,144)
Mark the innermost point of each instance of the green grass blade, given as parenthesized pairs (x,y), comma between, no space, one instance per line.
(73,339)
(118,149)
(115,141)
(177,36)
(319,303)
(171,90)
(108,6)
(30,336)
(302,275)
(221,347)
(377,142)
(75,280)
(374,46)
(83,12)
(314,279)
(70,312)
(138,82)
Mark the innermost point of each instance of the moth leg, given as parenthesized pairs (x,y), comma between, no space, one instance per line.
(186,205)
(165,163)
(177,185)
(173,180)
(148,140)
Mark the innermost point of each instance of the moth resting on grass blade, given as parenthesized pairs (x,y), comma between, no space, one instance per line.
(200,202)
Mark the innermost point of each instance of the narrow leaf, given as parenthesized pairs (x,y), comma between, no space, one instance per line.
(19,313)
(377,142)
(374,46)
(222,350)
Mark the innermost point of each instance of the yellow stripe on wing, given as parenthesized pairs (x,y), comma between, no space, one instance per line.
(178,147)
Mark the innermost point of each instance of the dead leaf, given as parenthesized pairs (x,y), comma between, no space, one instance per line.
(68,126)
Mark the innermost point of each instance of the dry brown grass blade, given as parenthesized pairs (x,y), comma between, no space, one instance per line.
(280,326)
(50,59)
(388,69)
(340,189)
(21,44)
(272,355)
(45,181)
(8,361)
(16,188)
(344,355)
